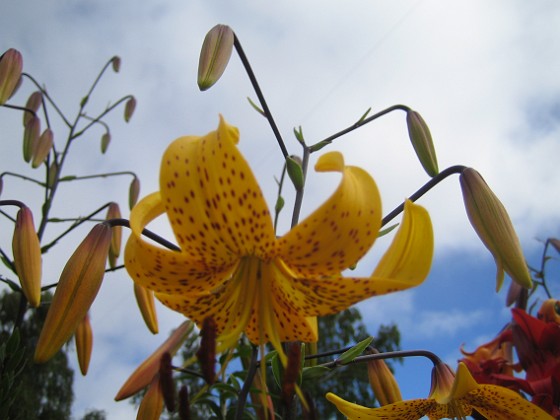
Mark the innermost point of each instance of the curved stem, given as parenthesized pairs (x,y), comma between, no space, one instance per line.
(457,169)
(387,355)
(362,121)
(46,95)
(25,178)
(260,95)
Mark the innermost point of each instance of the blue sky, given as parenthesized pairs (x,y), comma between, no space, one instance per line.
(484,76)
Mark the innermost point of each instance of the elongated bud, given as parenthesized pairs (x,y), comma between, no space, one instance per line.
(214,55)
(143,375)
(116,63)
(77,288)
(27,256)
(383,384)
(30,138)
(53,173)
(42,148)
(133,192)
(513,294)
(206,354)
(33,102)
(105,140)
(146,303)
(114,212)
(491,222)
(292,372)
(129,108)
(295,172)
(166,381)
(421,139)
(151,406)
(84,343)
(11,64)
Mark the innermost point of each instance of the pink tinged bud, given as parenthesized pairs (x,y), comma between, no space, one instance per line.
(11,64)
(27,256)
(33,102)
(149,368)
(491,222)
(31,138)
(383,384)
(421,139)
(105,140)
(133,192)
(442,382)
(146,303)
(116,63)
(151,406)
(514,292)
(214,55)
(84,343)
(77,288)
(114,212)
(42,148)
(129,108)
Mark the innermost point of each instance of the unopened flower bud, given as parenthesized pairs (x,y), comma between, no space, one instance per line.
(151,406)
(166,381)
(383,384)
(421,139)
(146,303)
(30,138)
(42,148)
(84,343)
(513,294)
(114,212)
(105,140)
(116,63)
(442,382)
(214,55)
(491,222)
(129,108)
(53,173)
(11,64)
(77,288)
(33,102)
(295,172)
(143,375)
(27,256)
(206,354)
(291,373)
(133,192)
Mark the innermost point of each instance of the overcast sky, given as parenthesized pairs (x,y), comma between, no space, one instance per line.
(484,75)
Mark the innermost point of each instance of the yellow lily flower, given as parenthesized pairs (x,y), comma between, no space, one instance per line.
(233,268)
(451,398)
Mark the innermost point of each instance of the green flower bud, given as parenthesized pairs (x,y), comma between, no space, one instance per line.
(30,138)
(214,55)
(421,139)
(491,222)
(133,192)
(293,166)
(105,140)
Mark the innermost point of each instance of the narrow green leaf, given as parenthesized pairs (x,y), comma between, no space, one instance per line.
(354,352)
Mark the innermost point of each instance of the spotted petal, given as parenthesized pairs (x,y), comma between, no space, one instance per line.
(160,269)
(214,204)
(405,264)
(341,231)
